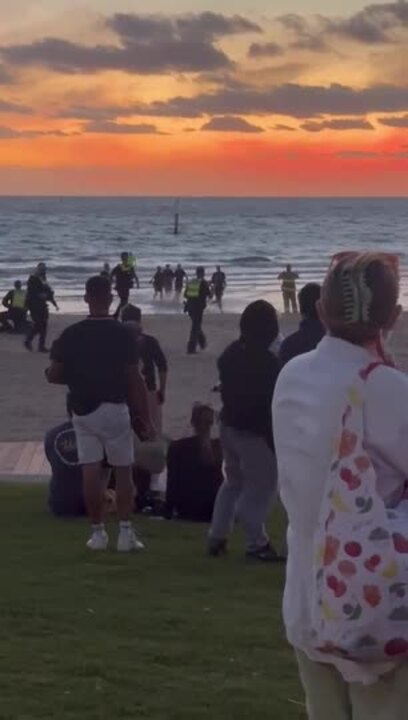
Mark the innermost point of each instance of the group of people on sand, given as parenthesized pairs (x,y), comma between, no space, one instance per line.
(323,420)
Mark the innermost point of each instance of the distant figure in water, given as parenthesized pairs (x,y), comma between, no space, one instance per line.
(158,283)
(168,278)
(180,277)
(288,278)
(106,271)
(219,283)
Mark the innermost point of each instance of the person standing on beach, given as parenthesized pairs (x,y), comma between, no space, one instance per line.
(180,277)
(288,278)
(311,329)
(197,293)
(219,283)
(248,374)
(97,359)
(124,277)
(39,294)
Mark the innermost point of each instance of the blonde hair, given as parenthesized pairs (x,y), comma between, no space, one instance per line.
(360,295)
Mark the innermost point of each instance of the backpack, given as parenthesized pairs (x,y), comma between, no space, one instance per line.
(360,571)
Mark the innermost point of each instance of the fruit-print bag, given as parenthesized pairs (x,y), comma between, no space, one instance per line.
(360,573)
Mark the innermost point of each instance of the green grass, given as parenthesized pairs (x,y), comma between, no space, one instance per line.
(167,635)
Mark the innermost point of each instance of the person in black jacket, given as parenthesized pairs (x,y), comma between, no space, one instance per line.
(124,276)
(248,373)
(39,294)
(194,470)
(311,330)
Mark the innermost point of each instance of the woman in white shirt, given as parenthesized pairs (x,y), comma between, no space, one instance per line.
(359,308)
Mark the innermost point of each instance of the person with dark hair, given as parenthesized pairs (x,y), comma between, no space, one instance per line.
(197,293)
(194,470)
(158,283)
(288,278)
(15,319)
(124,276)
(154,365)
(311,329)
(219,283)
(248,373)
(97,358)
(340,426)
(180,277)
(39,294)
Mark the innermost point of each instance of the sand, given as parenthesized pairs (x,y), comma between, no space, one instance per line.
(29,406)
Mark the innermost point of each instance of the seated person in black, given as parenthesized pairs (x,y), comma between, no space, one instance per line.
(194,470)
(311,330)
(65,498)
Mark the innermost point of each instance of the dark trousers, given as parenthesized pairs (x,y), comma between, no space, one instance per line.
(197,337)
(39,327)
(123,295)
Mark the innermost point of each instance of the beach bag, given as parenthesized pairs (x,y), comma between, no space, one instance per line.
(150,455)
(360,571)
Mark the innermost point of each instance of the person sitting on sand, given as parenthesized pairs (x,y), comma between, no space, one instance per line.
(98,360)
(311,330)
(15,319)
(288,278)
(248,373)
(194,470)
(316,396)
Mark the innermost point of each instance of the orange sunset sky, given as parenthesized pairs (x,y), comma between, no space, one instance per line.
(183,97)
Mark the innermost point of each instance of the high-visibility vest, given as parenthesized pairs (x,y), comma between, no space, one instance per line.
(19,299)
(130,264)
(193,289)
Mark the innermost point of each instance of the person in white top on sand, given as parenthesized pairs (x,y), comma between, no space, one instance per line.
(359,308)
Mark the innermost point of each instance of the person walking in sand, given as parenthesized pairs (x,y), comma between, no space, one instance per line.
(124,277)
(288,278)
(248,373)
(97,358)
(197,293)
(39,294)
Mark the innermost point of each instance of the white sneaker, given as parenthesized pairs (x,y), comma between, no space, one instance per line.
(98,541)
(128,541)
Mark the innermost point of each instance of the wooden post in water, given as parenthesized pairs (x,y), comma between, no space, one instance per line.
(177,218)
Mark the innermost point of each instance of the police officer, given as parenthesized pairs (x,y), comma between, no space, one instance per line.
(197,293)
(15,302)
(124,276)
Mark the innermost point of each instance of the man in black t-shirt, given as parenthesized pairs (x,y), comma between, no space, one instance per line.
(98,361)
(39,294)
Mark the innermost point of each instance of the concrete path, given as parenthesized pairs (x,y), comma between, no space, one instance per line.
(23,461)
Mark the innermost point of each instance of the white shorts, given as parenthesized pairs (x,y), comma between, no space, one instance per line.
(105,432)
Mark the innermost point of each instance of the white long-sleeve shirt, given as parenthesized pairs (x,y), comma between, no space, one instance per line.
(309,399)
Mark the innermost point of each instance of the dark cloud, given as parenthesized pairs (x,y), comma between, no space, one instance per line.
(115,128)
(285,128)
(264,50)
(357,155)
(394,122)
(148,45)
(6,76)
(7,133)
(228,123)
(337,124)
(300,101)
(377,23)
(11,107)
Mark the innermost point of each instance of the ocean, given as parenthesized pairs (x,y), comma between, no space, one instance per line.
(251,238)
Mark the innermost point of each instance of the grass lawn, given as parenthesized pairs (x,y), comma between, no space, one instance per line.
(167,635)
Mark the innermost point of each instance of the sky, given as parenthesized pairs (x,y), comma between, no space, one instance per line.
(183,97)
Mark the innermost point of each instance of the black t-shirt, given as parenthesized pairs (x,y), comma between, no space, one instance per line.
(152,358)
(310,332)
(218,280)
(124,277)
(248,377)
(95,354)
(39,294)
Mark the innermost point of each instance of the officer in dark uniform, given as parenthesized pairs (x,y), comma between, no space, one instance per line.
(197,293)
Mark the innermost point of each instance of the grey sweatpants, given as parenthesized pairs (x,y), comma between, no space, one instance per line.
(249,488)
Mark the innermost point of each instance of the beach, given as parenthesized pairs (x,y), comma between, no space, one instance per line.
(30,406)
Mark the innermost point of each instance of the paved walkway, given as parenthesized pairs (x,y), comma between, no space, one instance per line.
(23,460)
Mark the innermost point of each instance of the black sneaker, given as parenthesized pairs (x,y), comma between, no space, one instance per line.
(28,346)
(217,547)
(266,554)
(44,350)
